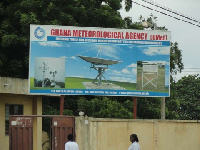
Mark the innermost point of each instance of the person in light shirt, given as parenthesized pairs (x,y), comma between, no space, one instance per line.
(134,139)
(71,145)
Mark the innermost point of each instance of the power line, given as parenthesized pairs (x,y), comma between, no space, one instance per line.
(170,10)
(191,68)
(189,71)
(195,23)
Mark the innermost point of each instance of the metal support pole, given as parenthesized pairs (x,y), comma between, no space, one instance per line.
(134,107)
(61,104)
(163,108)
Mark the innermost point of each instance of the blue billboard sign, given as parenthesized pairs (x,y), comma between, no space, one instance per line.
(68,60)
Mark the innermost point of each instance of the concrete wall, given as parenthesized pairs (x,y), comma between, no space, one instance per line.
(13,85)
(114,134)
(15,91)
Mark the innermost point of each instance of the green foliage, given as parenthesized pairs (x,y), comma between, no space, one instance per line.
(149,108)
(51,106)
(172,106)
(130,25)
(103,107)
(151,23)
(128,5)
(176,64)
(187,90)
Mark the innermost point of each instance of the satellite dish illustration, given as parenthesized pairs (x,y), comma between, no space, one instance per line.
(100,65)
(99,61)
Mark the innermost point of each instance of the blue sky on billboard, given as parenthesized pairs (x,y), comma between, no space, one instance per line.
(123,72)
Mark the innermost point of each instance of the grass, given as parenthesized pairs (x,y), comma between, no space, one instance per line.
(77,83)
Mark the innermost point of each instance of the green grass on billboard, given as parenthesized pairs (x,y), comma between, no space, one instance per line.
(77,83)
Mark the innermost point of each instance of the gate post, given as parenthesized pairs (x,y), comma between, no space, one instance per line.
(61,104)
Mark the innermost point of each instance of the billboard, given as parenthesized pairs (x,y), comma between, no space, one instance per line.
(69,60)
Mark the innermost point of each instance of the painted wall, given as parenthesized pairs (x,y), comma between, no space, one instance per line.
(114,134)
(27,102)
(15,91)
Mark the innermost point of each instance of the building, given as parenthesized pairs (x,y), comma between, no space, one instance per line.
(15,100)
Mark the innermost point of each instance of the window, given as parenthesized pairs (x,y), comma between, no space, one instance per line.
(11,110)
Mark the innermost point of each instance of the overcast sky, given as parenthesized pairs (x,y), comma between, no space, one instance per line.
(187,35)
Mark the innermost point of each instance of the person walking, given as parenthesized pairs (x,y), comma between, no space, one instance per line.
(71,145)
(135,145)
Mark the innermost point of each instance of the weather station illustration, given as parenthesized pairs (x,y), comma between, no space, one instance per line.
(71,64)
(150,75)
(49,72)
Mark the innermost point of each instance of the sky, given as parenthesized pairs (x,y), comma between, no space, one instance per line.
(186,35)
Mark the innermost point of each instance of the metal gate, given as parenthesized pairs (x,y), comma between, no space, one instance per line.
(61,127)
(21,133)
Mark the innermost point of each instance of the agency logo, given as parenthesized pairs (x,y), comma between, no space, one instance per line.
(39,33)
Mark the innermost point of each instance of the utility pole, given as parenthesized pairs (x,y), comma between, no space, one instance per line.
(134,107)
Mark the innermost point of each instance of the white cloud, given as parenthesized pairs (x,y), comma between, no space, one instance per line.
(122,79)
(77,76)
(51,44)
(132,65)
(156,51)
(115,72)
(107,50)
(63,57)
(134,71)
(157,62)
(73,57)
(125,71)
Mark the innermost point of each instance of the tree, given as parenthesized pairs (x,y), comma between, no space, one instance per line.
(150,22)
(132,25)
(187,92)
(103,107)
(149,108)
(51,106)
(176,64)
